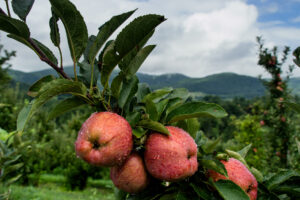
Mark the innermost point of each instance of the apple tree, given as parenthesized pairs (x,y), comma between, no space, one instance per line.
(94,58)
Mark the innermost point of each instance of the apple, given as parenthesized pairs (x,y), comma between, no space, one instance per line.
(131,176)
(240,175)
(105,139)
(171,158)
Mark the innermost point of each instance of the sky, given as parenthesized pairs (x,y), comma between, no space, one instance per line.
(199,37)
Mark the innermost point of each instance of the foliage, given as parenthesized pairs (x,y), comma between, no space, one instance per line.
(144,109)
(276,114)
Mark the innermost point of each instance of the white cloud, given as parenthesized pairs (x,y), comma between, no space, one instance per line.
(199,38)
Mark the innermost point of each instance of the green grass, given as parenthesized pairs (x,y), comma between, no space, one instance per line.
(52,192)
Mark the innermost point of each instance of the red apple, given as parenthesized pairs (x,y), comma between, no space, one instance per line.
(105,139)
(240,175)
(171,158)
(132,176)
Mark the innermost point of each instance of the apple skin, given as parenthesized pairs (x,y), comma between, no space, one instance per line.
(171,158)
(240,175)
(132,176)
(105,139)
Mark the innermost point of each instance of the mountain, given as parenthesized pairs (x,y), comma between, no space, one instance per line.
(226,85)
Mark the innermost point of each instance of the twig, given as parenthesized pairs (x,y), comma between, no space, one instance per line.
(44,58)
(7,7)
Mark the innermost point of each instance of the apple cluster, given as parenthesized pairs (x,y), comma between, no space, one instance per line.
(105,139)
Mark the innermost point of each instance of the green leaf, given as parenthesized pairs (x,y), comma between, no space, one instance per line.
(293,106)
(214,164)
(34,89)
(23,116)
(105,31)
(210,145)
(49,90)
(129,88)
(46,51)
(54,30)
(85,70)
(160,107)
(74,24)
(196,109)
(298,144)
(201,192)
(237,156)
(230,191)
(151,110)
(182,93)
(22,7)
(13,179)
(136,31)
(133,118)
(116,85)
(65,106)
(139,132)
(153,125)
(138,60)
(143,90)
(14,26)
(289,189)
(109,61)
(243,152)
(157,94)
(280,178)
(258,175)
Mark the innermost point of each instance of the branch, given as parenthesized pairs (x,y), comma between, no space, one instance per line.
(44,58)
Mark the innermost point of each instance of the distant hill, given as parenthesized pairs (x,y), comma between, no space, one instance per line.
(226,85)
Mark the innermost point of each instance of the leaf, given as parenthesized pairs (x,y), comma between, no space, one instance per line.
(48,53)
(237,156)
(201,192)
(230,191)
(258,175)
(49,90)
(105,31)
(196,109)
(298,144)
(22,7)
(23,116)
(54,30)
(214,164)
(136,31)
(153,125)
(34,89)
(280,178)
(143,90)
(65,106)
(13,179)
(139,132)
(293,106)
(133,118)
(85,70)
(160,107)
(109,61)
(14,26)
(193,126)
(128,90)
(127,40)
(138,60)
(210,145)
(74,24)
(151,110)
(116,85)
(243,152)
(157,94)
